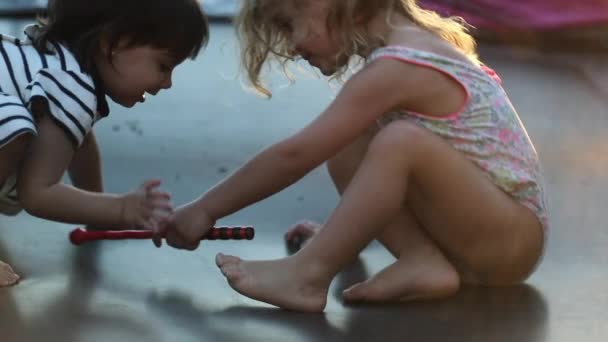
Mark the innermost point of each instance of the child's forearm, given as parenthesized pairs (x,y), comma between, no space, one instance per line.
(267,173)
(65,203)
(85,168)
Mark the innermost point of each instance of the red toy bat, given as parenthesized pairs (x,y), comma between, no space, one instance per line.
(79,236)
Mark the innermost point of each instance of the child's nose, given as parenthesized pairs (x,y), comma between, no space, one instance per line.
(295,49)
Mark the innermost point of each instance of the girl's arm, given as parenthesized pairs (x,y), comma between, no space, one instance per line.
(376,89)
(85,168)
(42,194)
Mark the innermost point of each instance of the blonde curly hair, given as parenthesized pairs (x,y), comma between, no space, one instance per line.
(263,37)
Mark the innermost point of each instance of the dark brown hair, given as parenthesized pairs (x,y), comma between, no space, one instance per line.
(180,26)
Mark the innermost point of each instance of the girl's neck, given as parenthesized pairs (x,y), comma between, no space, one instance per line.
(382,30)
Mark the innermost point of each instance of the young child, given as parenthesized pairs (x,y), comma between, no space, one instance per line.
(423,144)
(53,88)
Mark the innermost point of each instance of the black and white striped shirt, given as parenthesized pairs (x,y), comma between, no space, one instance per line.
(74,100)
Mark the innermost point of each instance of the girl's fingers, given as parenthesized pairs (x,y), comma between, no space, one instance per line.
(156,230)
(174,240)
(160,205)
(162,225)
(148,223)
(151,184)
(178,241)
(159,202)
(154,226)
(289,235)
(158,195)
(154,213)
(144,216)
(302,230)
(148,217)
(192,245)
(157,240)
(161,214)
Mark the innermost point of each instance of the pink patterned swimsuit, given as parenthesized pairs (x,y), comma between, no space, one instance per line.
(486,129)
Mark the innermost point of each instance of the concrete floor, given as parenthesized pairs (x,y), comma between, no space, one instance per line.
(207,125)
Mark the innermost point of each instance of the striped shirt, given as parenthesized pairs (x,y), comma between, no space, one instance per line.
(75,100)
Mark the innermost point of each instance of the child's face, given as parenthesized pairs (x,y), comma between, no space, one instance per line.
(306,25)
(135,71)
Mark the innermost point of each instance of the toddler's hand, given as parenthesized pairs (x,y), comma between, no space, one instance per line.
(186,227)
(147,207)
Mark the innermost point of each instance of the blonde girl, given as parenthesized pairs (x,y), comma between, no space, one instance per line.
(423,144)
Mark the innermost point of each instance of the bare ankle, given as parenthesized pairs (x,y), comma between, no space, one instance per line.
(312,270)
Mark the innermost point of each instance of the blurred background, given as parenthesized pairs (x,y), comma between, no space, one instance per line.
(554,24)
(215,8)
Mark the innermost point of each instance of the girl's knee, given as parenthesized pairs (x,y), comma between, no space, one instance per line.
(399,136)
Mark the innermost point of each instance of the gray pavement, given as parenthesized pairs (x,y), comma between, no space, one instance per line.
(208,124)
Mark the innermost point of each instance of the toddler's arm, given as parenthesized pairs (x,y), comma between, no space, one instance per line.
(85,168)
(42,193)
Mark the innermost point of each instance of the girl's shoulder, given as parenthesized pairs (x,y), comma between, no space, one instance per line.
(421,54)
(430,59)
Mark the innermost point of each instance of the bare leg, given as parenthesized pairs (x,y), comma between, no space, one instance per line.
(421,271)
(489,235)
(10,155)
(342,168)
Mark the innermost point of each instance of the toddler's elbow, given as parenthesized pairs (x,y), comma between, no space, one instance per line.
(30,200)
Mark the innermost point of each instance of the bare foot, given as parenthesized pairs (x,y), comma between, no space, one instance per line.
(413,276)
(283,282)
(8,277)
(300,234)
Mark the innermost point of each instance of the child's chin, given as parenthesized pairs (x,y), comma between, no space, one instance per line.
(128,105)
(327,71)
(125,103)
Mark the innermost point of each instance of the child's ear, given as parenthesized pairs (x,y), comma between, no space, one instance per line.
(104,45)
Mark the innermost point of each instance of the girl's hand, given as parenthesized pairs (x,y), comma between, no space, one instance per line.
(186,227)
(147,207)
